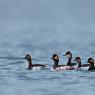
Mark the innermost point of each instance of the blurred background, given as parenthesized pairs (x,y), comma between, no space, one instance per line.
(47,23)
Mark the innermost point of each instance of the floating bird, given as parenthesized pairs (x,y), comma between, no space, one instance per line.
(69,55)
(91,62)
(30,65)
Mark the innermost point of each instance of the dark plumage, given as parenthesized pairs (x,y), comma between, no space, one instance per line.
(91,62)
(69,55)
(78,60)
(55,58)
(30,65)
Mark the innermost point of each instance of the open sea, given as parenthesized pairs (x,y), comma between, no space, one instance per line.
(42,28)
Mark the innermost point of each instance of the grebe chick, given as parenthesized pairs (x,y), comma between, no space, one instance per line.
(30,65)
(91,62)
(55,58)
(69,55)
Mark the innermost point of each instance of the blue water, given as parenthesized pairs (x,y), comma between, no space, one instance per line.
(41,28)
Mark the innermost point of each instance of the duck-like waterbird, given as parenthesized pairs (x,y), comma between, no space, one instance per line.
(30,65)
(69,55)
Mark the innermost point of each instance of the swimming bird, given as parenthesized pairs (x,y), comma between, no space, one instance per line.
(91,62)
(80,65)
(55,58)
(69,55)
(30,65)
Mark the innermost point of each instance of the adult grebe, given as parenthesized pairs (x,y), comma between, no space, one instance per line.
(30,65)
(69,55)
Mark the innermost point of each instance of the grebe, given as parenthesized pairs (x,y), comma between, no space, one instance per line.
(30,65)
(91,62)
(69,55)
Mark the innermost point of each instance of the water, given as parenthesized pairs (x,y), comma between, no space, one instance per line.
(41,28)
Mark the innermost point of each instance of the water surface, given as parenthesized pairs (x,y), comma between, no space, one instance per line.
(41,28)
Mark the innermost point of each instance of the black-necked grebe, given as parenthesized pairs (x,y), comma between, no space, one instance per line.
(91,62)
(55,58)
(30,65)
(69,55)
(80,65)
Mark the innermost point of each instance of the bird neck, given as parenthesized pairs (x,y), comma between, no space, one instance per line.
(55,64)
(69,61)
(29,63)
(91,66)
(79,64)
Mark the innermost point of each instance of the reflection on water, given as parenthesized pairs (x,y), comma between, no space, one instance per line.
(41,28)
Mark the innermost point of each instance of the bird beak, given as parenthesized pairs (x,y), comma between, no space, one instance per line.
(51,58)
(21,58)
(64,55)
